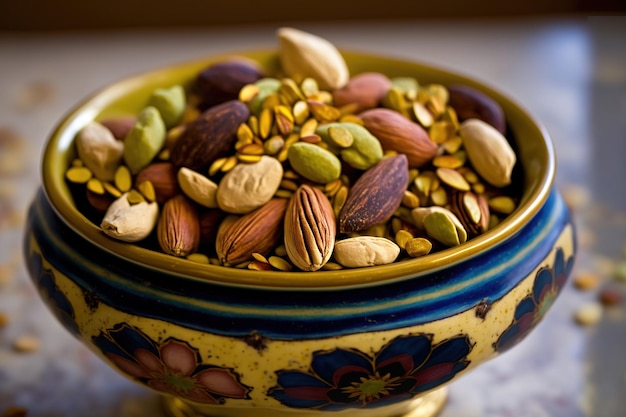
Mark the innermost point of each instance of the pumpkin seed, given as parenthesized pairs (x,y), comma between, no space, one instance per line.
(280,264)
(111,189)
(418,246)
(134,197)
(452,178)
(340,136)
(78,174)
(502,204)
(146,188)
(123,179)
(403,237)
(95,186)
(248,92)
(323,112)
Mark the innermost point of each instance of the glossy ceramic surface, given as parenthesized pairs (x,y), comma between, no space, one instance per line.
(365,342)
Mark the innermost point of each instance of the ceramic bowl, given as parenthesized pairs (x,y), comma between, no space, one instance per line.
(381,341)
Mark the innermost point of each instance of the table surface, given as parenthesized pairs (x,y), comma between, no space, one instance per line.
(569,73)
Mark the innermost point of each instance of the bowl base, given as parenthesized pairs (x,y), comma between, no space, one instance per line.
(430,405)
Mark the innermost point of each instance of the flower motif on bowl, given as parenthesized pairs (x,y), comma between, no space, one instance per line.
(531,309)
(172,367)
(348,378)
(46,284)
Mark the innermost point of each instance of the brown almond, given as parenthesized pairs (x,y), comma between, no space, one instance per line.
(210,136)
(163,176)
(470,103)
(119,126)
(178,230)
(365,91)
(210,219)
(259,231)
(222,81)
(310,228)
(397,133)
(375,195)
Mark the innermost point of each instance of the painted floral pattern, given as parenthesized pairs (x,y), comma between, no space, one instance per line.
(172,366)
(45,281)
(529,312)
(348,378)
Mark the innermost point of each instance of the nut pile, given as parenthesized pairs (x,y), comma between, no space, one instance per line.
(309,169)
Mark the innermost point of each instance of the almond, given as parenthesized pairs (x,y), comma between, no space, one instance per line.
(310,228)
(163,176)
(178,230)
(376,195)
(258,231)
(210,136)
(397,133)
(364,91)
(470,103)
(221,82)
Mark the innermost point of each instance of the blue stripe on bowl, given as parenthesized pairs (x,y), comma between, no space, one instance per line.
(297,313)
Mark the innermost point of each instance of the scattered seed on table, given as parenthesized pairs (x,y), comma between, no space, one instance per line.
(611,296)
(26,344)
(575,196)
(586,281)
(620,271)
(15,412)
(588,314)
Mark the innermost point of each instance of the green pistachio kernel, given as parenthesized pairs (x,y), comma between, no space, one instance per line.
(314,162)
(266,87)
(170,102)
(440,227)
(365,150)
(144,141)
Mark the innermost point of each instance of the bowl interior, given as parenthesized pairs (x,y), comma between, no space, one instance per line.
(128,96)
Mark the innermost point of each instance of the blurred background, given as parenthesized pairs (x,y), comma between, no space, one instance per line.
(75,14)
(563,60)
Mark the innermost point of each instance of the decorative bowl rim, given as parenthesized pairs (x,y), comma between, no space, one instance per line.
(61,139)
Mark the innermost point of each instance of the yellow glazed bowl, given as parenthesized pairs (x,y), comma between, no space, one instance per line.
(224,342)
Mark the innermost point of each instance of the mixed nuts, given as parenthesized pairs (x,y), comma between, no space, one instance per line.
(308,169)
